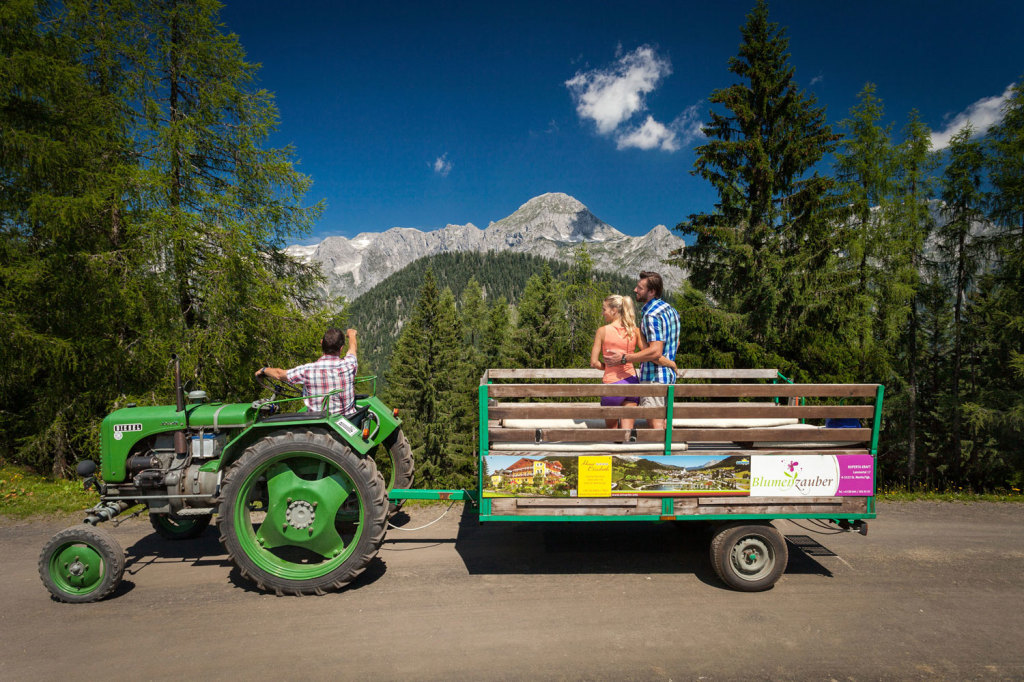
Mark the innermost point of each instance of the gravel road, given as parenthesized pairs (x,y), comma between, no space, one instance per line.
(935,591)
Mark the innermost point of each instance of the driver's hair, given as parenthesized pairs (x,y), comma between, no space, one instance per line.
(332,341)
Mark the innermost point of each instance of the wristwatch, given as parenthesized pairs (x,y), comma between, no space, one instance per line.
(624,358)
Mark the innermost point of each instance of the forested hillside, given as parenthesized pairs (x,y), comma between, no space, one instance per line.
(143,213)
(381,313)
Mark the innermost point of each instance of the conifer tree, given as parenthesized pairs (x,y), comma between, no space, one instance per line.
(70,289)
(912,219)
(427,383)
(996,315)
(473,311)
(767,249)
(583,298)
(963,248)
(541,327)
(496,348)
(874,259)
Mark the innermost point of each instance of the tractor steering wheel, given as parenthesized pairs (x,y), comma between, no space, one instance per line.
(278,387)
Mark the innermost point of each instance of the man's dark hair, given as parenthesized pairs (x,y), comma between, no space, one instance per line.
(332,341)
(653,282)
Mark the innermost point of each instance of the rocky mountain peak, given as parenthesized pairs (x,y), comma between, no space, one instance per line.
(555,216)
(550,225)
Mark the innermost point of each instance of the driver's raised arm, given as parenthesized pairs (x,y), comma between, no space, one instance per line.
(273,373)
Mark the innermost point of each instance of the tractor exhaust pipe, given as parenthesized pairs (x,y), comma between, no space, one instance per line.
(180,442)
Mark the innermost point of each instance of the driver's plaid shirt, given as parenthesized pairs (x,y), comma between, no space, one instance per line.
(327,374)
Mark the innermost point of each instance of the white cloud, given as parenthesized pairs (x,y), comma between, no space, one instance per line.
(614,97)
(650,135)
(611,96)
(442,166)
(654,135)
(981,116)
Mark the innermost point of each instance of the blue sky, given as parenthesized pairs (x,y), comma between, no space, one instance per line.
(420,114)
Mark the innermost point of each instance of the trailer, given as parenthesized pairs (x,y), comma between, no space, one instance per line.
(745,447)
(302,507)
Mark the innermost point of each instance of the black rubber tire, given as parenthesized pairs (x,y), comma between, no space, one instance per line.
(749,556)
(402,465)
(269,569)
(172,527)
(64,548)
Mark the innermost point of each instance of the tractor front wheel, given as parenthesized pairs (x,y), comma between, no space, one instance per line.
(300,513)
(81,564)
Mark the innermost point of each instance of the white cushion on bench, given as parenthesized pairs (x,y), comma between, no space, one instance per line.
(676,423)
(585,448)
(806,444)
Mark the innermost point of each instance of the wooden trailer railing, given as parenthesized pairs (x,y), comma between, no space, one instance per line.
(709,412)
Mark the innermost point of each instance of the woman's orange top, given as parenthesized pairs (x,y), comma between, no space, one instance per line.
(616,341)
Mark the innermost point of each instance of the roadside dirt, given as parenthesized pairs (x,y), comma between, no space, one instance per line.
(935,591)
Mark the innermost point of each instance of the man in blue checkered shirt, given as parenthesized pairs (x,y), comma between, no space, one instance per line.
(660,327)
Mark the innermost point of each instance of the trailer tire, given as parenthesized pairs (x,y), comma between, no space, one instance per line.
(171,527)
(301,513)
(81,564)
(749,556)
(402,465)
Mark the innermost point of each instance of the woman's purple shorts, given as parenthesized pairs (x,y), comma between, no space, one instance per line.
(616,401)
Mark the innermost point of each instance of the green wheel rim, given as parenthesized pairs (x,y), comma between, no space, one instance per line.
(76,568)
(298,516)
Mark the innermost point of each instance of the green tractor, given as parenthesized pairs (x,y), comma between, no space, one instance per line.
(299,500)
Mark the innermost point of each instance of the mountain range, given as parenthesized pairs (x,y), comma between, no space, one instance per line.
(551,226)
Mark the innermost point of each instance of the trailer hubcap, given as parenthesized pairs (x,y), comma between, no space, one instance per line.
(752,558)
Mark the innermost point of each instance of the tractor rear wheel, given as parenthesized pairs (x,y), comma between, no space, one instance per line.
(81,564)
(300,513)
(172,527)
(402,465)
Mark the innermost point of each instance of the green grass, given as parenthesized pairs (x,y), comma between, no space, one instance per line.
(23,494)
(897,495)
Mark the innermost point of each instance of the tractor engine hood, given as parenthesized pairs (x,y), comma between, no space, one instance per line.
(122,429)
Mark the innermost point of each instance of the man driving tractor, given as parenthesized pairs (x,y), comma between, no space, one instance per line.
(330,372)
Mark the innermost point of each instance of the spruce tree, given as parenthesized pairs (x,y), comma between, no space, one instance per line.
(912,218)
(427,381)
(496,347)
(71,304)
(963,248)
(767,249)
(473,312)
(541,327)
(865,171)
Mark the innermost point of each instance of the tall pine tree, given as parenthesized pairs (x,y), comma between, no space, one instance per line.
(766,250)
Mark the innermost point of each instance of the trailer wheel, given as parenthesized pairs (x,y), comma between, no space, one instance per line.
(749,557)
(81,564)
(172,527)
(300,513)
(402,465)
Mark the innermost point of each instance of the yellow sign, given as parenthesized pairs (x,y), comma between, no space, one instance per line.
(595,476)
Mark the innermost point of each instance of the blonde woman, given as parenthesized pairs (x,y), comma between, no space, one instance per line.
(619,335)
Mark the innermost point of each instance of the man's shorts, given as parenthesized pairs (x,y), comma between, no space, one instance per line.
(616,401)
(652,401)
